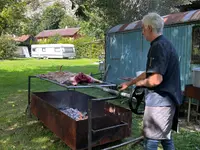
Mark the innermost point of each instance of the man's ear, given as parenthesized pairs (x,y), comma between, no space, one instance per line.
(150,28)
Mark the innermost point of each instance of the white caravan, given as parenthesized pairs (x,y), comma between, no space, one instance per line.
(53,51)
(22,51)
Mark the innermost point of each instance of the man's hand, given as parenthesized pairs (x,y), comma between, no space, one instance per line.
(123,86)
(132,81)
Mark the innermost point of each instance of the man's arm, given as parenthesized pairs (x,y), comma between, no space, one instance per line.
(135,80)
(154,80)
(125,85)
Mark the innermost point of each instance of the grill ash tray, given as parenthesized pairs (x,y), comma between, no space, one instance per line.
(65,114)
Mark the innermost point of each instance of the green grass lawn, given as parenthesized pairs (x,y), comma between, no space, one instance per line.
(17,131)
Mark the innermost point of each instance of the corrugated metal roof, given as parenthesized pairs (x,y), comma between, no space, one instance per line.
(182,17)
(62,32)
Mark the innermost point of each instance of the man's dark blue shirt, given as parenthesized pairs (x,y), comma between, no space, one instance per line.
(163,59)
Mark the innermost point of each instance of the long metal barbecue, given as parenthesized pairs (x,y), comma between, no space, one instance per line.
(90,110)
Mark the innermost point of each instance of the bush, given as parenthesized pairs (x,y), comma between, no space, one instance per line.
(86,47)
(7,47)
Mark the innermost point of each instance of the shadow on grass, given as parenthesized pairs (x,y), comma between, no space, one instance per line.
(19,132)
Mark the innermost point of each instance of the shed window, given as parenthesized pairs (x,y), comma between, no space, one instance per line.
(195,58)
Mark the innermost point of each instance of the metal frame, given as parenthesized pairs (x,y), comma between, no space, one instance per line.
(132,140)
(192,92)
(104,84)
(99,86)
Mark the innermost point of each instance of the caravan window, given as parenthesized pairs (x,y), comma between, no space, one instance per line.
(57,49)
(68,50)
(195,58)
(43,49)
(34,49)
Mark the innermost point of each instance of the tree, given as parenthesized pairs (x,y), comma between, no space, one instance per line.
(52,16)
(11,15)
(32,25)
(34,4)
(68,21)
(104,14)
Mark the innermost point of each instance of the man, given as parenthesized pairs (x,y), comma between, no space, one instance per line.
(162,79)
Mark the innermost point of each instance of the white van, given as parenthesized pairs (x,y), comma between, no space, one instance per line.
(53,51)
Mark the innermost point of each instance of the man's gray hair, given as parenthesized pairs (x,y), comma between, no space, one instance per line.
(154,20)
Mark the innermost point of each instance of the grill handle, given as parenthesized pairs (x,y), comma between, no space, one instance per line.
(123,94)
(111,127)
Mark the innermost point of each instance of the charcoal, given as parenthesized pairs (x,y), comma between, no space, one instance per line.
(74,113)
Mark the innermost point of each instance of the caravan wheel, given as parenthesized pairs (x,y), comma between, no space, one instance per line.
(45,57)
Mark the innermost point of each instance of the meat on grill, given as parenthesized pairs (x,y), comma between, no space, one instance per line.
(69,77)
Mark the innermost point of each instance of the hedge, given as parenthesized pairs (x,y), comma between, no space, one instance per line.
(86,47)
